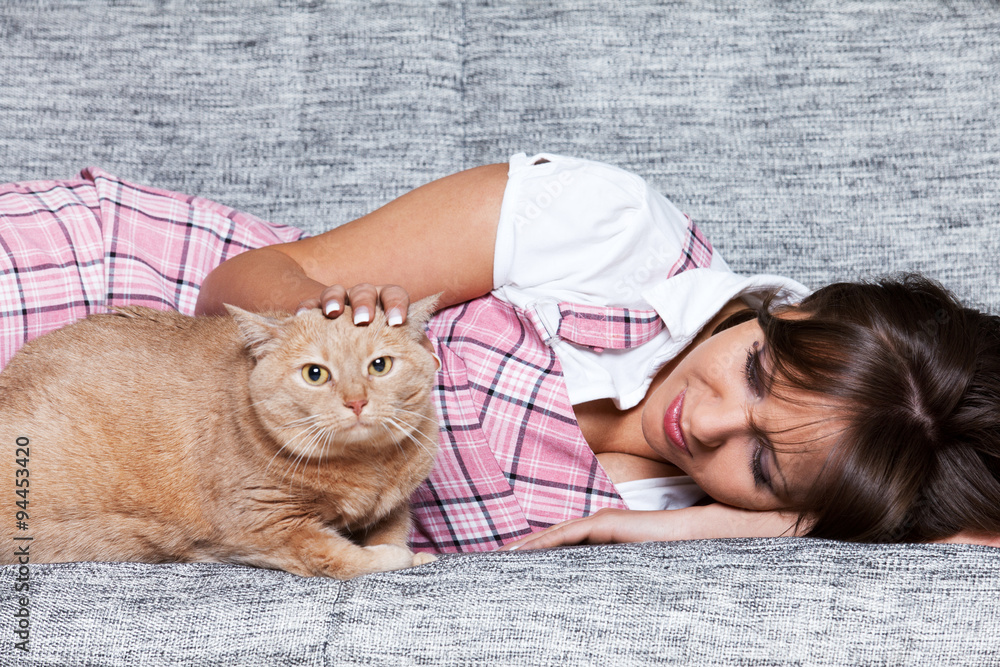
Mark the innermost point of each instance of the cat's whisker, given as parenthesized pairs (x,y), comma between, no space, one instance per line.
(302,421)
(409,436)
(314,444)
(413,428)
(285,427)
(327,439)
(307,432)
(430,439)
(290,443)
(410,412)
(308,435)
(298,459)
(308,423)
(316,431)
(280,449)
(318,446)
(253,405)
(408,431)
(389,432)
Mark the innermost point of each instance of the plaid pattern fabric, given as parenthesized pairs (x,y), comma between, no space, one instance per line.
(513,458)
(600,328)
(72,248)
(697,251)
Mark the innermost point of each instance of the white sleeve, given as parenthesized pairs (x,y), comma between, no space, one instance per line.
(584,232)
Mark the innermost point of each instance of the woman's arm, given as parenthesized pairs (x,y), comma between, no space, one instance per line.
(716,520)
(609,526)
(437,238)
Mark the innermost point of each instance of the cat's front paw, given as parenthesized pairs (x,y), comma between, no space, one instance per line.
(387,557)
(421,558)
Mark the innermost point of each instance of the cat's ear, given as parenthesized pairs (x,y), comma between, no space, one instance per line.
(260,332)
(421,311)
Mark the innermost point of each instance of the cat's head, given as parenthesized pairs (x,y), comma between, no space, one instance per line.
(328,388)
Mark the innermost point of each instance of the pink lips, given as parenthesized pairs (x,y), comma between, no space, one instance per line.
(672,423)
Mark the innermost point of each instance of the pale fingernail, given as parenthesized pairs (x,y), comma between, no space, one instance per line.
(361,315)
(330,307)
(514,548)
(395,317)
(301,310)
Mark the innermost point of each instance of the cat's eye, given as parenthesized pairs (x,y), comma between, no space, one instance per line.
(380,366)
(315,374)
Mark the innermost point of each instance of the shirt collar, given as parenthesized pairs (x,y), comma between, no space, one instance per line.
(688,300)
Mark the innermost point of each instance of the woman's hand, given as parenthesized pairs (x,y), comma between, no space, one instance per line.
(609,526)
(363,299)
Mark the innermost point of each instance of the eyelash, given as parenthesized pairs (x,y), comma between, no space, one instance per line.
(752,369)
(755,467)
(752,373)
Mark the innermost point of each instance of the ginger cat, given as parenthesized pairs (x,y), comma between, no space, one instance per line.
(285,442)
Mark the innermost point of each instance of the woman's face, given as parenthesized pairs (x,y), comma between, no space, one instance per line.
(700,419)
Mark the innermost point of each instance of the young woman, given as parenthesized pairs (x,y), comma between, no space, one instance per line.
(653,375)
(598,356)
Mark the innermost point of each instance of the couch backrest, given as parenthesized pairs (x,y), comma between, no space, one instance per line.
(822,140)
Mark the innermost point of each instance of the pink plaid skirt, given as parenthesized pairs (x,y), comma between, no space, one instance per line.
(72,248)
(512,458)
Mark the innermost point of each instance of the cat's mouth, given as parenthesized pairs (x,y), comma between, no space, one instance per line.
(356,429)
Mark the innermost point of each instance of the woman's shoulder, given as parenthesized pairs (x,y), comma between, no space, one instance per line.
(587,232)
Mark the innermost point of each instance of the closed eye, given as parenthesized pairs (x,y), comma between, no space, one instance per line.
(752,370)
(754,378)
(760,478)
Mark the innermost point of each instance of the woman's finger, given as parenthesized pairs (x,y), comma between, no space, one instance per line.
(395,301)
(332,300)
(587,530)
(363,299)
(308,304)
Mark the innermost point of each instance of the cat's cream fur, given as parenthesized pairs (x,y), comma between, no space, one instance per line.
(158,437)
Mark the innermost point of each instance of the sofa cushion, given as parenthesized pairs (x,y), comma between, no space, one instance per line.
(303,113)
(783,601)
(820,140)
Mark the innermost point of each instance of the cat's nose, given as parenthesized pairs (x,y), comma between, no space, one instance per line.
(356,405)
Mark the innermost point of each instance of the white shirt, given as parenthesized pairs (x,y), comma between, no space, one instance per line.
(589,233)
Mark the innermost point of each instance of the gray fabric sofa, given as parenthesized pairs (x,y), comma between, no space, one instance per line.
(818,139)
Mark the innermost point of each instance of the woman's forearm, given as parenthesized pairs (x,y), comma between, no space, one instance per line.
(691,523)
(726,521)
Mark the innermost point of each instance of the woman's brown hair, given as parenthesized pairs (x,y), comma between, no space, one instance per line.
(919,375)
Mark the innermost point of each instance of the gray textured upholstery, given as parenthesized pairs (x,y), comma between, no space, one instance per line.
(821,140)
(784,601)
(817,139)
